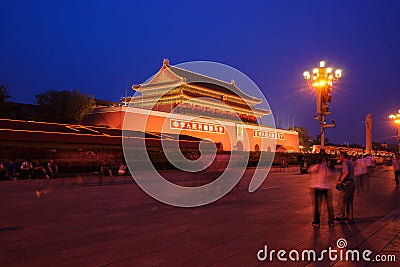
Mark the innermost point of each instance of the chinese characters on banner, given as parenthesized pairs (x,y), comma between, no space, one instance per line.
(268,134)
(197,126)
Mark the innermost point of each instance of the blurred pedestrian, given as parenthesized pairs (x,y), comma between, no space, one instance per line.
(360,174)
(303,163)
(122,169)
(321,188)
(105,169)
(3,171)
(396,165)
(44,191)
(52,167)
(346,195)
(369,161)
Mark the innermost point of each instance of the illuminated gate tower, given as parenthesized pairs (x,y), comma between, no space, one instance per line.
(189,103)
(173,86)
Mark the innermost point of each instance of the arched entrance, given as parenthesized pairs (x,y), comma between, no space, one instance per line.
(220,146)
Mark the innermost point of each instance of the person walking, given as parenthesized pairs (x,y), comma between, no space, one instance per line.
(346,195)
(321,188)
(396,165)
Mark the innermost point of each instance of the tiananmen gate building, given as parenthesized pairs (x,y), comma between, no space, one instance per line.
(178,101)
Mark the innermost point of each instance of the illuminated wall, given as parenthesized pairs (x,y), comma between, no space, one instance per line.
(231,135)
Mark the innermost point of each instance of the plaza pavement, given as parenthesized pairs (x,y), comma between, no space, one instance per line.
(78,222)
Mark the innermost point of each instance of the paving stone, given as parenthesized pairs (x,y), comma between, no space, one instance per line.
(386,233)
(119,225)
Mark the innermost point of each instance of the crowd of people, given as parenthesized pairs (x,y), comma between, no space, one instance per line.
(28,169)
(354,175)
(32,169)
(108,169)
(355,172)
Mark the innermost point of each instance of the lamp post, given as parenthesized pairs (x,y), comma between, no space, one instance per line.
(396,119)
(322,79)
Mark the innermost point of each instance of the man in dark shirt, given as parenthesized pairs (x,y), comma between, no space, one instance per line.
(346,196)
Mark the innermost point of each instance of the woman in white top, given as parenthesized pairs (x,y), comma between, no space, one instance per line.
(321,188)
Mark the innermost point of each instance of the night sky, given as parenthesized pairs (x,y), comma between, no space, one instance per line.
(93,45)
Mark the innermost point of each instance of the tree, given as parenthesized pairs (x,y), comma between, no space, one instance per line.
(317,141)
(355,145)
(3,93)
(304,138)
(64,106)
(378,146)
(4,107)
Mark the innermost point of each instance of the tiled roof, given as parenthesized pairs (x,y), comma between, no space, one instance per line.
(211,83)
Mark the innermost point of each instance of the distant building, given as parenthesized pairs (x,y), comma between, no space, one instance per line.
(178,101)
(349,150)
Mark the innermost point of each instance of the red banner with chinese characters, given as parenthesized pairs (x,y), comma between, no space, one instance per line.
(197,126)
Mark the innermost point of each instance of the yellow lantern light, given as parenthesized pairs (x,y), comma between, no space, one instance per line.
(322,81)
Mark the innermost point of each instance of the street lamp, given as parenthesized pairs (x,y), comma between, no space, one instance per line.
(322,79)
(396,119)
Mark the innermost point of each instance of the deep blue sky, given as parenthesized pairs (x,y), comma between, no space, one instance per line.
(93,45)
